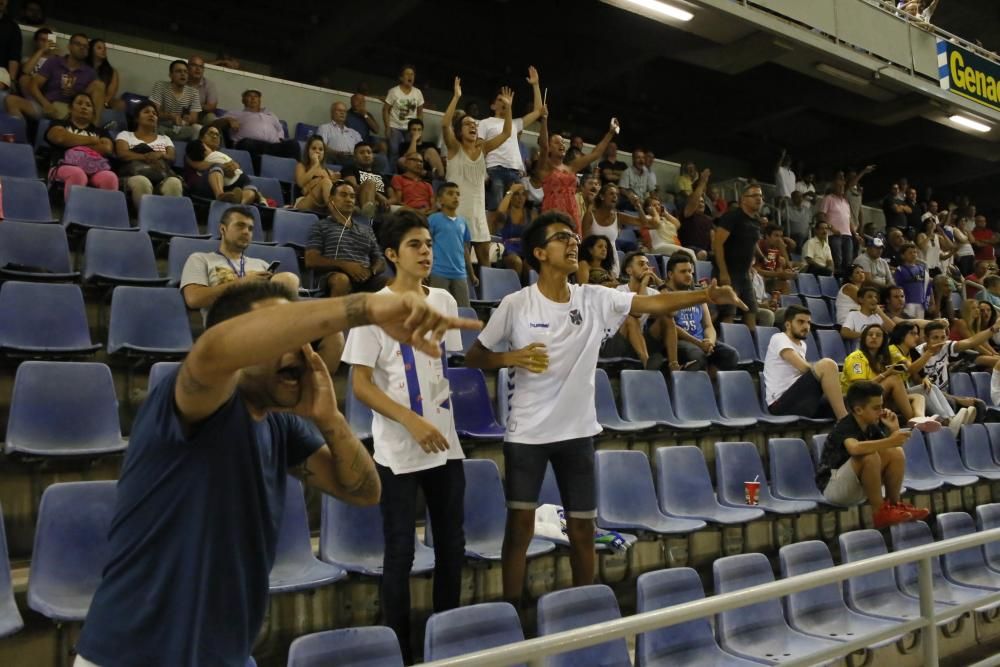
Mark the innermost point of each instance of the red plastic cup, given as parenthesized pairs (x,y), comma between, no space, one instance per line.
(751,489)
(9,138)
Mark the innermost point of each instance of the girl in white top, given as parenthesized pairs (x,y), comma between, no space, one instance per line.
(416,444)
(847,296)
(467,166)
(604,218)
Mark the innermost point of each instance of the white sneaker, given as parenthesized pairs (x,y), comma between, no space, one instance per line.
(955,423)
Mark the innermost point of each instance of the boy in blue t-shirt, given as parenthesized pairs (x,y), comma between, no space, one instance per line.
(452,246)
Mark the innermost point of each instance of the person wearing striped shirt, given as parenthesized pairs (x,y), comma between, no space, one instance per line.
(178,104)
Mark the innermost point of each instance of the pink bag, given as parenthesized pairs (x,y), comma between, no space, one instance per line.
(87,159)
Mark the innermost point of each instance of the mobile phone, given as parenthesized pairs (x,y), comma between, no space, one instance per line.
(273,266)
(898,367)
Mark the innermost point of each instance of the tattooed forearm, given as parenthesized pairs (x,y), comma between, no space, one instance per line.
(354,476)
(356,310)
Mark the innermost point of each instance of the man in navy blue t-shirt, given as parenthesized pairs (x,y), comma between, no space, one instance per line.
(202,490)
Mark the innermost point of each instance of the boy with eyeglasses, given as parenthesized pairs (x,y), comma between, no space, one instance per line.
(553,331)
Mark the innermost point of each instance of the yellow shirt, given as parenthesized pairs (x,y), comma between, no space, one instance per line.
(856,367)
(897,357)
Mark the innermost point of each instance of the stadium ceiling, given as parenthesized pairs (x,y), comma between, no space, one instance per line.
(737,91)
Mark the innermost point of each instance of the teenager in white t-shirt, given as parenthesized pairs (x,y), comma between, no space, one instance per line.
(794,386)
(504,165)
(937,368)
(403,102)
(870,313)
(416,444)
(554,331)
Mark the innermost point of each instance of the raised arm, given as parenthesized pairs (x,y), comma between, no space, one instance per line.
(536,90)
(449,115)
(597,151)
(542,162)
(977,340)
(859,175)
(507,96)
(666,303)
(691,205)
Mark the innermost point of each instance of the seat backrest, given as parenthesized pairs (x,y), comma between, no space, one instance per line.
(819,312)
(694,398)
(829,286)
(167,215)
(793,474)
(470,399)
(918,465)
(373,646)
(25,200)
(733,573)
(808,285)
(907,536)
(471,628)
(485,504)
(280,168)
(818,442)
(148,317)
(576,608)
(293,536)
(702,270)
(957,524)
(738,336)
(243,158)
(469,336)
(180,249)
(217,208)
(359,415)
(94,207)
(685,488)
(17,160)
(803,558)
(764,335)
(736,463)
(14,126)
(961,384)
(122,254)
(667,588)
(31,244)
(981,382)
(180,152)
(292,227)
(993,430)
(302,133)
(269,253)
(988,517)
(159,371)
(495,284)
(644,396)
(790,300)
(350,534)
(549,495)
(975,446)
(63,406)
(505,390)
(625,492)
(831,345)
(41,315)
(71,543)
(604,398)
(943,451)
(10,617)
(859,545)
(270,188)
(737,396)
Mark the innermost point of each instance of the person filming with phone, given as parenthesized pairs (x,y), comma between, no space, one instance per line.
(863,453)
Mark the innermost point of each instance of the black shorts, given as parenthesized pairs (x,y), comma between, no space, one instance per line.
(743,286)
(573,464)
(804,398)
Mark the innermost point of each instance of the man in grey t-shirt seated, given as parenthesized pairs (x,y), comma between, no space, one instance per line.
(207,275)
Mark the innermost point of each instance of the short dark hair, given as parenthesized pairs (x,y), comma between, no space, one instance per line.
(177,62)
(396,225)
(906,246)
(990,281)
(864,290)
(134,118)
(629,257)
(361,144)
(42,31)
(861,392)
(239,299)
(79,34)
(414,121)
(447,184)
(406,66)
(235,210)
(678,258)
(251,90)
(933,326)
(587,251)
(794,310)
(772,228)
(533,235)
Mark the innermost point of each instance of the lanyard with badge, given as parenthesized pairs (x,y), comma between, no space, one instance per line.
(243,264)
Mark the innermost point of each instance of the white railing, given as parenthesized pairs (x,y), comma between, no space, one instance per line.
(533,651)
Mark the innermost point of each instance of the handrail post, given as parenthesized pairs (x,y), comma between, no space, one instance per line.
(926,583)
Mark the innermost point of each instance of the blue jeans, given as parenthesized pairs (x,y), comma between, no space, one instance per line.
(842,249)
(501,178)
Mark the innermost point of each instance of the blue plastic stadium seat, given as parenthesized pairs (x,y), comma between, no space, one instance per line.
(831,345)
(486,513)
(943,451)
(961,385)
(158,371)
(702,270)
(35,252)
(981,382)
(790,300)
(829,287)
(180,152)
(739,462)
(819,312)
(968,566)
(764,406)
(916,534)
(685,488)
(818,442)
(764,335)
(303,131)
(271,189)
(25,200)
(374,646)
(295,567)
(15,126)
(359,415)
(281,169)
(10,617)
(292,228)
(607,410)
(92,207)
(793,474)
(976,453)
(920,474)
(43,320)
(473,628)
(626,498)
(549,495)
(645,399)
(17,160)
(148,322)
(737,398)
(495,284)
(988,517)
(351,537)
(809,286)
(269,253)
(694,400)
(821,611)
(120,258)
(71,548)
(167,217)
(689,644)
(576,608)
(737,336)
(469,336)
(471,405)
(217,208)
(63,408)
(180,249)
(243,158)
(758,631)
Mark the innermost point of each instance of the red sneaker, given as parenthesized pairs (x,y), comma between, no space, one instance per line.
(918,513)
(889,514)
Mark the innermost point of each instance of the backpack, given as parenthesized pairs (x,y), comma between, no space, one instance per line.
(87,159)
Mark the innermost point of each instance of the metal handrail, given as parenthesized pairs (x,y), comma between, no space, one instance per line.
(533,650)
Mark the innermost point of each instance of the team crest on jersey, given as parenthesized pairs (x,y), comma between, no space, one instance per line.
(575,317)
(857,369)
